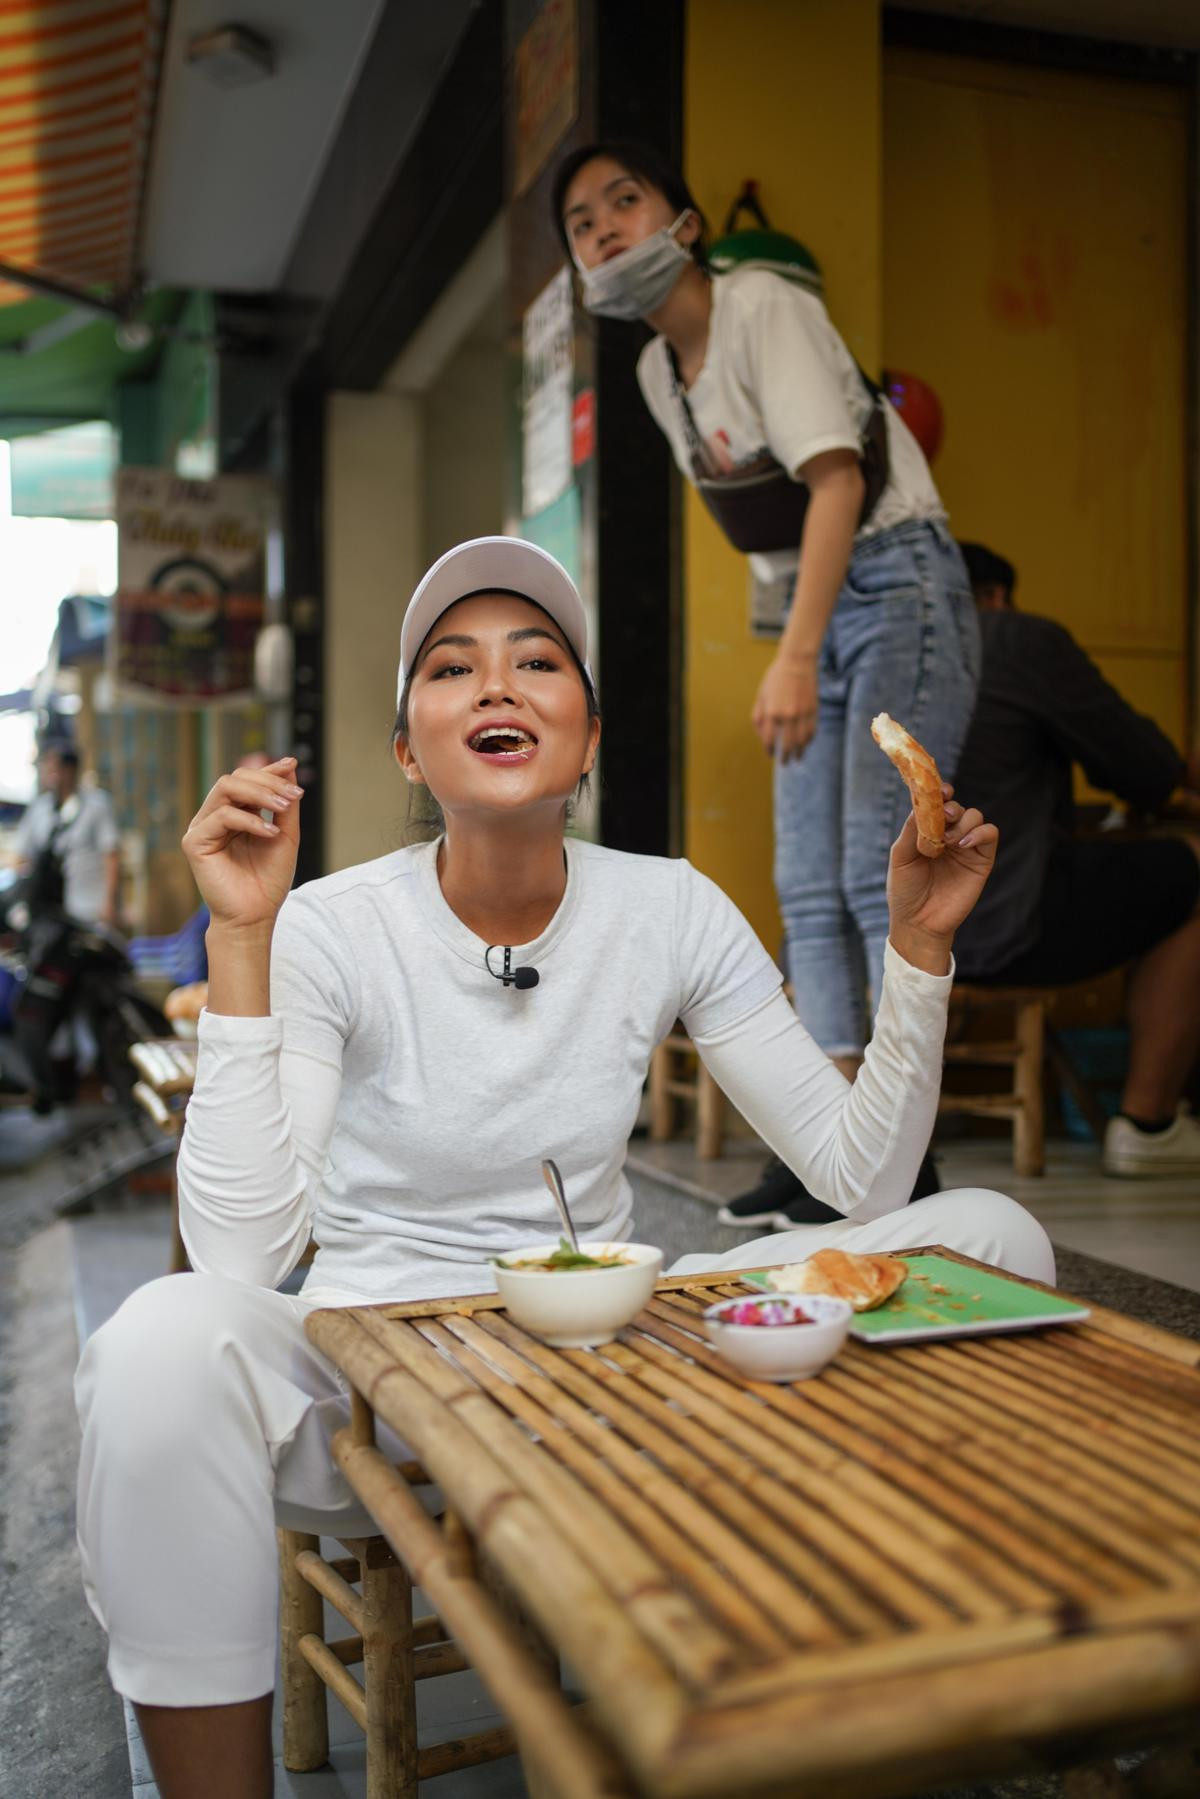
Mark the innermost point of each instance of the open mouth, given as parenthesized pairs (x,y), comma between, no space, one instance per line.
(504,743)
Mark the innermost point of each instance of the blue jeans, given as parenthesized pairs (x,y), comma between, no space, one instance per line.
(904,639)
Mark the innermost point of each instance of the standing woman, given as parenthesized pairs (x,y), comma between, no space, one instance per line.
(807,467)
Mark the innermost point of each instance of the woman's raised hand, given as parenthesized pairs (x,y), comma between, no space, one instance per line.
(928,897)
(244,866)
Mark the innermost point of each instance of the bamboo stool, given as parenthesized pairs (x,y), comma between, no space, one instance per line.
(1022,1102)
(394,1648)
(676,1072)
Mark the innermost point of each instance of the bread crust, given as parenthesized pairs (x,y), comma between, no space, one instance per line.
(921,777)
(866,1281)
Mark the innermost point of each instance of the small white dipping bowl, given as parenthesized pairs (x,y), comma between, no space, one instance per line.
(578,1308)
(781,1352)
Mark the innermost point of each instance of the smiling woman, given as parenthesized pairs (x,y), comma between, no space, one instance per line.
(499,718)
(365,1077)
(501,660)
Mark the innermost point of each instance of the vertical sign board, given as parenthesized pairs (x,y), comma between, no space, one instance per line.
(190,583)
(546,78)
(547,372)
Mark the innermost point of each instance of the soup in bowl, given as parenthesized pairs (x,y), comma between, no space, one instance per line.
(577,1302)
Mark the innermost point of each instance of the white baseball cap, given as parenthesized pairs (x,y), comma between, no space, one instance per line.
(493,565)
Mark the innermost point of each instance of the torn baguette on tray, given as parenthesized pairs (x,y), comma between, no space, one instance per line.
(921,777)
(866,1281)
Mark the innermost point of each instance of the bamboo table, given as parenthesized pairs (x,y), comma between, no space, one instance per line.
(929,1562)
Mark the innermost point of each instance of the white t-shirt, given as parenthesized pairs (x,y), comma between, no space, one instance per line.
(777,377)
(399,1100)
(87,837)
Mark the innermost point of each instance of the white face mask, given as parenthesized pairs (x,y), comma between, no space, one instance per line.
(637,281)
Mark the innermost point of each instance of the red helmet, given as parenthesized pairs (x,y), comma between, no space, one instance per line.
(918,406)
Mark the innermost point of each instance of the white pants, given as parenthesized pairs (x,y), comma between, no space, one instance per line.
(207,1417)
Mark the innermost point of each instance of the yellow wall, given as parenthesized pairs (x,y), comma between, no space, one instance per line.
(1034,272)
(790,94)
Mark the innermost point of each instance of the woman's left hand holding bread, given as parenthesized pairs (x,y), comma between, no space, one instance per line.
(928,898)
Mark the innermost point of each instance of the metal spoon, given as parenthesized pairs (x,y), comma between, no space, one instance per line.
(554,1181)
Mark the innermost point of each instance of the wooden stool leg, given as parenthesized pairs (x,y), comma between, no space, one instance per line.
(388,1676)
(1029,1126)
(662,1106)
(710,1115)
(305,1721)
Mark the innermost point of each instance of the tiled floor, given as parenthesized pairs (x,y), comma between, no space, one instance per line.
(1152,1226)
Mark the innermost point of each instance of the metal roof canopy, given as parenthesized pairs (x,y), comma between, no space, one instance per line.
(74,378)
(96,216)
(77,86)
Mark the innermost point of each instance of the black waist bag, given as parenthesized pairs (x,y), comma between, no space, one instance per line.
(45,885)
(763,508)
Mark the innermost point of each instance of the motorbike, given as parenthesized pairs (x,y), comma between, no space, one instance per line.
(68,971)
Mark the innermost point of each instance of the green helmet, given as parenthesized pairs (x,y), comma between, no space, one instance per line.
(767,249)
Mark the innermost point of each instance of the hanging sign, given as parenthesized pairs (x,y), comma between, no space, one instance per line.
(547,355)
(546,79)
(190,581)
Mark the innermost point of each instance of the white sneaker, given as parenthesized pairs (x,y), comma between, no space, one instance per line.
(1147,1155)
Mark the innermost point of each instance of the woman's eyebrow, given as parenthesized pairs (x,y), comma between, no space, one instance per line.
(528,631)
(585,205)
(456,637)
(460,639)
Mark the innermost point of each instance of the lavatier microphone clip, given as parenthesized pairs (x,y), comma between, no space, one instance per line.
(521,978)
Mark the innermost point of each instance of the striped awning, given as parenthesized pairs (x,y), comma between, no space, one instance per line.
(77,87)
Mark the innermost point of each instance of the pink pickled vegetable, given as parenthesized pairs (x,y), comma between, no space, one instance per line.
(763,1311)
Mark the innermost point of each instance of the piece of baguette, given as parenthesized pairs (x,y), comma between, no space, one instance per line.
(921,777)
(866,1281)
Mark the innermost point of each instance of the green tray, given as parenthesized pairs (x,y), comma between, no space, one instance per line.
(972,1303)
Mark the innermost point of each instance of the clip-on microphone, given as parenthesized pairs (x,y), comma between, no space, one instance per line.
(521,978)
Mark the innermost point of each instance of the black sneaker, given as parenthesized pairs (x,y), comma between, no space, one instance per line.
(767,1203)
(804,1209)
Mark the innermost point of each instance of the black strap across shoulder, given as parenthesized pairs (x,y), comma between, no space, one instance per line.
(761,507)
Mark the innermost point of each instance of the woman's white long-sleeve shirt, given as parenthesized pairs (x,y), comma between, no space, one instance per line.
(399,1100)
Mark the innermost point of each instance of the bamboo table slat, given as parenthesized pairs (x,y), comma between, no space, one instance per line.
(928,1562)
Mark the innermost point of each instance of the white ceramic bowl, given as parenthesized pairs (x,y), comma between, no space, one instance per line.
(578,1308)
(782,1352)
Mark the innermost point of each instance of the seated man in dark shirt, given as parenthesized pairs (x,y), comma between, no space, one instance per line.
(1059,910)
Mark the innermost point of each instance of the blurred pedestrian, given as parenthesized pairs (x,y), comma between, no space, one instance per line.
(75,827)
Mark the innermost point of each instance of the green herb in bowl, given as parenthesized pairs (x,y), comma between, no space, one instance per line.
(563,1260)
